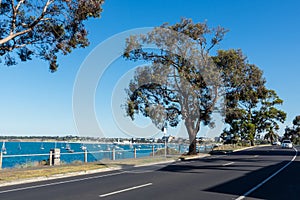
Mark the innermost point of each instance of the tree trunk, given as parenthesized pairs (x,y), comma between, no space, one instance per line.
(192,147)
(192,136)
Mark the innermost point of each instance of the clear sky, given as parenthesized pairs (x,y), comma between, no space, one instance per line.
(36,102)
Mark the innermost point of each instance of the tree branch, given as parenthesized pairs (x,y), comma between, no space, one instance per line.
(31,26)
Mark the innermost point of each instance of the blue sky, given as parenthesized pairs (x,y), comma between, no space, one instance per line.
(36,102)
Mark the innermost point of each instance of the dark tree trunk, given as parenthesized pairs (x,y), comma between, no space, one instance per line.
(192,147)
(192,131)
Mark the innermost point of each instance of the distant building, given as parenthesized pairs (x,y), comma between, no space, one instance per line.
(203,139)
(168,138)
(218,139)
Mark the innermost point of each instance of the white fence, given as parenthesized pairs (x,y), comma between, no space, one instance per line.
(55,158)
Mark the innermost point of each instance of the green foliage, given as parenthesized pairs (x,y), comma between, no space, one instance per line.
(293,133)
(44,28)
(172,87)
(251,108)
(271,135)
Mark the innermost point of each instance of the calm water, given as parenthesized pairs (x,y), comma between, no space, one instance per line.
(95,152)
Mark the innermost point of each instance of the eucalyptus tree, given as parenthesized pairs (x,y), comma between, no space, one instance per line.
(179,80)
(293,132)
(251,108)
(44,28)
(268,117)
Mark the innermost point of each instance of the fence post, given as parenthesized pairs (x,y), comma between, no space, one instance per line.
(1,155)
(134,152)
(114,154)
(50,158)
(56,156)
(153,150)
(85,156)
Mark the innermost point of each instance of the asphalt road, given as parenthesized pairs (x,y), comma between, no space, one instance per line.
(258,173)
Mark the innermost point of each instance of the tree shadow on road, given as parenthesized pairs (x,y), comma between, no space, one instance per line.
(285,185)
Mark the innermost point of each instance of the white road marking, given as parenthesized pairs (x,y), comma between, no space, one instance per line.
(59,183)
(267,179)
(228,164)
(255,156)
(125,190)
(213,157)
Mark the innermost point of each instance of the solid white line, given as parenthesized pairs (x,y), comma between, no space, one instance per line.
(228,164)
(266,180)
(60,182)
(125,190)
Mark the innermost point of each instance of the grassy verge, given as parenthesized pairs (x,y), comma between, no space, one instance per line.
(228,148)
(46,171)
(15,174)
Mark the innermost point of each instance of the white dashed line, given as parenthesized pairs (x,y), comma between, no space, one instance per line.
(125,190)
(228,164)
(60,182)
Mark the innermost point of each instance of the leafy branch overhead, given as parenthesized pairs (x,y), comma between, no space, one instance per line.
(44,28)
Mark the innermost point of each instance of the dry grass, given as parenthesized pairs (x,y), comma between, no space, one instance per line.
(46,171)
(17,174)
(139,161)
(229,147)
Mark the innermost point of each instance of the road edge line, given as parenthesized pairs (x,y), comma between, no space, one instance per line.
(270,177)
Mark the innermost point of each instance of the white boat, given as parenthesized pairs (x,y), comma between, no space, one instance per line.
(83,148)
(71,151)
(42,147)
(68,147)
(19,147)
(3,149)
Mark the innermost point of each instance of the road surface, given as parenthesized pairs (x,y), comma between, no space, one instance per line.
(258,173)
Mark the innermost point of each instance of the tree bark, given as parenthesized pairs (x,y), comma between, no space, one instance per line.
(192,136)
(192,147)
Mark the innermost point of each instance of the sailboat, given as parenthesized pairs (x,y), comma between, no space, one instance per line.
(83,147)
(3,149)
(19,147)
(68,147)
(42,146)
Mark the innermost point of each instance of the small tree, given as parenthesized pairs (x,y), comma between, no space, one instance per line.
(271,135)
(44,28)
(268,117)
(293,132)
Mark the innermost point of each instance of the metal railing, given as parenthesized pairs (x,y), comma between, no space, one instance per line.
(90,156)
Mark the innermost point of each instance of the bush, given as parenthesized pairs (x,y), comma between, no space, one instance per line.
(170,151)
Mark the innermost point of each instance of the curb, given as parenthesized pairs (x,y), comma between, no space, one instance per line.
(193,157)
(156,163)
(57,176)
